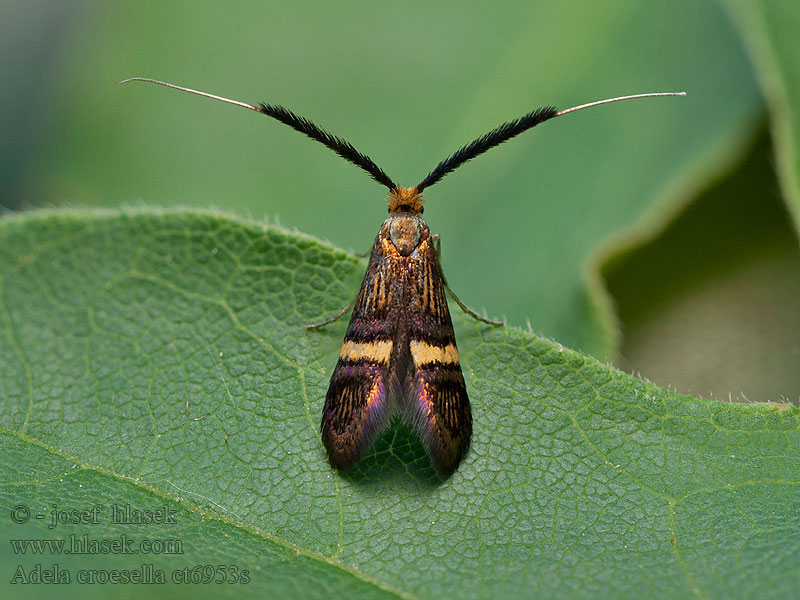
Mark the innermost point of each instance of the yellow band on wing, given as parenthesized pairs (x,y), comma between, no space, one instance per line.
(424,353)
(378,352)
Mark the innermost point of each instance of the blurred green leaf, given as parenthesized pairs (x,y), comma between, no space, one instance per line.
(707,298)
(407,84)
(708,303)
(159,359)
(769,30)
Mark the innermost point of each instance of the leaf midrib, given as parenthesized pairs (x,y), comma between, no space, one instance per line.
(230,519)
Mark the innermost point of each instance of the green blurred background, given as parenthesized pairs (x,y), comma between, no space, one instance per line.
(529,230)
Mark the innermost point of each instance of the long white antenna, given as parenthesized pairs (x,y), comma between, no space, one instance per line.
(610,100)
(198,92)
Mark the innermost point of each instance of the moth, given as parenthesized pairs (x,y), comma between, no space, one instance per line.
(399,357)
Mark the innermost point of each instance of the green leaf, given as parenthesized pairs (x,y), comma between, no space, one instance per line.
(768,31)
(159,359)
(707,297)
(708,302)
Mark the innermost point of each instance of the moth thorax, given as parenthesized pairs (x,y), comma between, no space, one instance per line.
(405,231)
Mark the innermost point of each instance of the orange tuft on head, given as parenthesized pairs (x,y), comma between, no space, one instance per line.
(405,200)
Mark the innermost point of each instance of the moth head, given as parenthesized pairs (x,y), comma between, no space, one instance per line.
(402,200)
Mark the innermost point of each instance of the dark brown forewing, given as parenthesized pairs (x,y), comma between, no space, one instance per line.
(357,407)
(438,405)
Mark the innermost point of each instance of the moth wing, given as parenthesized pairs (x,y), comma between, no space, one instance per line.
(357,406)
(438,405)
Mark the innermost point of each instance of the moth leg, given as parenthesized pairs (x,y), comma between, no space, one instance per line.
(343,312)
(332,319)
(437,246)
(463,307)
